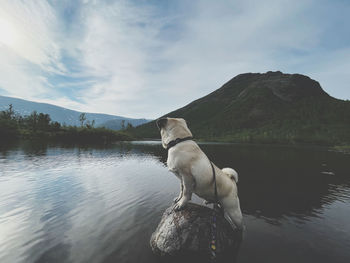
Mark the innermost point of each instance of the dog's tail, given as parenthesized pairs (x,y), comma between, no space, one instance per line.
(231,173)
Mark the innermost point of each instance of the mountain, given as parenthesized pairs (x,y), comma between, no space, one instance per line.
(269,107)
(63,115)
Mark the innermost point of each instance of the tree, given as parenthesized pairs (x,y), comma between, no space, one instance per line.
(8,114)
(90,125)
(82,119)
(55,126)
(8,124)
(10,111)
(44,121)
(32,120)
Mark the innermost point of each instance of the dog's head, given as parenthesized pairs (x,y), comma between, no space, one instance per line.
(171,129)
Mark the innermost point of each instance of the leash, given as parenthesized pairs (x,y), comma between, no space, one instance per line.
(213,243)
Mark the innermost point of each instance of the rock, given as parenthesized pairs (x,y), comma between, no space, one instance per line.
(187,234)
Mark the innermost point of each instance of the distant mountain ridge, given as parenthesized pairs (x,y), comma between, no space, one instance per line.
(67,116)
(265,107)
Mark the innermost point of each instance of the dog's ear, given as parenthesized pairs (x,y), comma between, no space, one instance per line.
(184,121)
(161,122)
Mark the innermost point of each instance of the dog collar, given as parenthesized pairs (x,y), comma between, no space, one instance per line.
(176,141)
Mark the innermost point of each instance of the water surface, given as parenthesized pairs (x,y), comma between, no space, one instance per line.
(101,204)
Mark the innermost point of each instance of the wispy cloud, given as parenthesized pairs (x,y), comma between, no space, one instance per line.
(146,58)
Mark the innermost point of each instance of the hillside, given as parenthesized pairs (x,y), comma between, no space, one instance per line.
(66,116)
(269,107)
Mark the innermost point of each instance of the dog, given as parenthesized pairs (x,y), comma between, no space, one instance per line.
(190,164)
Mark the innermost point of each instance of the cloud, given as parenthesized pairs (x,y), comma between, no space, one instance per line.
(34,24)
(33,52)
(144,59)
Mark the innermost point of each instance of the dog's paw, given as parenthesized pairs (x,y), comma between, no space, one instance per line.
(179,205)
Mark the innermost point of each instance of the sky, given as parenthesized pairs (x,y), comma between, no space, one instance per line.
(143,59)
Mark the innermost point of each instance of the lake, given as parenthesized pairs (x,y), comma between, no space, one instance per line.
(101,204)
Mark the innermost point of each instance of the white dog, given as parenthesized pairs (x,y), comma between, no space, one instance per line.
(189,163)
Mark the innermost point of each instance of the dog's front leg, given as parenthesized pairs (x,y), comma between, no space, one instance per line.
(177,199)
(188,184)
